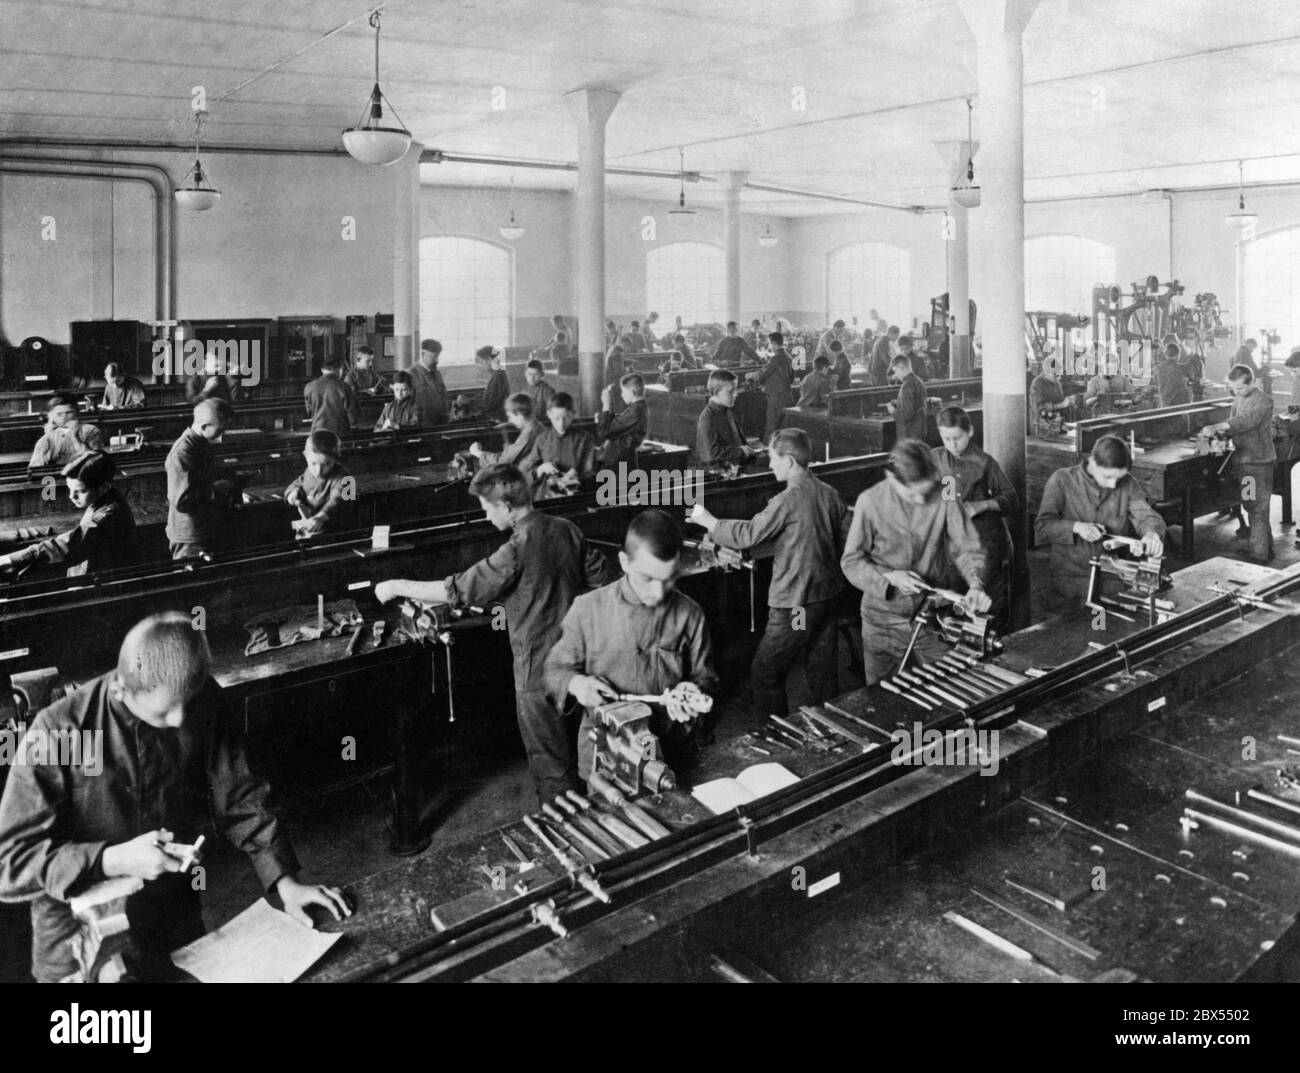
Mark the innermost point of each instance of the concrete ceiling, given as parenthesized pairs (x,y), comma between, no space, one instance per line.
(1120,97)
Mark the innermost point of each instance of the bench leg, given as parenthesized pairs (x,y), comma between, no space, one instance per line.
(1188,525)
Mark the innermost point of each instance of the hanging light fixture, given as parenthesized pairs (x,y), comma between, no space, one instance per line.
(766,238)
(1239,219)
(370,141)
(682,215)
(512,230)
(966,192)
(195,192)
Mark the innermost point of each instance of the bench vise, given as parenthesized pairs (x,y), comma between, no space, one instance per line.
(1140,581)
(627,751)
(715,557)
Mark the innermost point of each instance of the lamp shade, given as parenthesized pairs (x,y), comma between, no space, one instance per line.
(512,231)
(1240,220)
(966,194)
(768,239)
(197,198)
(377,145)
(682,216)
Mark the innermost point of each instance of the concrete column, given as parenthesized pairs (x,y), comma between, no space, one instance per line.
(591,109)
(406,257)
(998,27)
(733,183)
(956,155)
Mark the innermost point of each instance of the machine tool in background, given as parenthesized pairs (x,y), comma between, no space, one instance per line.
(1139,580)
(1057,336)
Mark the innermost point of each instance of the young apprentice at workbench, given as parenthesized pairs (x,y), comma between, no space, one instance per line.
(903,535)
(909,408)
(404,410)
(519,416)
(171,763)
(538,389)
(330,402)
(718,438)
(1082,503)
(973,477)
(104,539)
(775,378)
(807,524)
(536,574)
(1254,458)
(198,490)
(623,432)
(638,635)
(66,436)
(322,492)
(561,451)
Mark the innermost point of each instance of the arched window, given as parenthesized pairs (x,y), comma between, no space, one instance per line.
(687,280)
(1270,287)
(867,276)
(466,298)
(1061,270)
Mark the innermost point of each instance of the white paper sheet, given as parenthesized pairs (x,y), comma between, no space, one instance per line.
(260,946)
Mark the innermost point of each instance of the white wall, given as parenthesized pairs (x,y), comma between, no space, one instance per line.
(273,246)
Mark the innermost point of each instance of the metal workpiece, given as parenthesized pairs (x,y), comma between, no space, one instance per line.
(886,684)
(927,689)
(822,719)
(612,795)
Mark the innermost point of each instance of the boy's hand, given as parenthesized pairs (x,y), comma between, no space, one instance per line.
(386,591)
(547,469)
(905,582)
(976,600)
(1089,531)
(589,691)
(142,857)
(310,528)
(702,517)
(297,896)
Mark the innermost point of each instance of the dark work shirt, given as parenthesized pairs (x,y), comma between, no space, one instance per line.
(1044,391)
(194,516)
(515,452)
(541,393)
(843,370)
(360,380)
(325,498)
(776,376)
(611,634)
(623,433)
(104,539)
(733,350)
(57,818)
(575,450)
(807,523)
(718,438)
(1171,383)
(972,477)
(535,574)
(1250,423)
(331,405)
(129,395)
(909,413)
(878,366)
(430,393)
(493,404)
(1071,495)
(400,413)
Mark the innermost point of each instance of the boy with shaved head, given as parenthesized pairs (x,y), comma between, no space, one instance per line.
(170,764)
(197,518)
(638,635)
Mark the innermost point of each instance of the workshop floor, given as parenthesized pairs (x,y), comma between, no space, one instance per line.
(341,835)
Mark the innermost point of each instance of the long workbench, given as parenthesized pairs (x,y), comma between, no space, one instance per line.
(1070,854)
(1180,483)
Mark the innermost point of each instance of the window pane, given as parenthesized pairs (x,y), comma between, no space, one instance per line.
(867,276)
(1061,270)
(1270,287)
(687,280)
(465,296)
